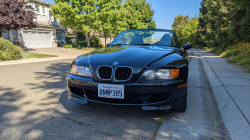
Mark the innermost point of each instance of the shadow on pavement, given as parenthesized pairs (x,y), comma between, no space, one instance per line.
(38,108)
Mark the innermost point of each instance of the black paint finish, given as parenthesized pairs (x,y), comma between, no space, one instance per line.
(140,58)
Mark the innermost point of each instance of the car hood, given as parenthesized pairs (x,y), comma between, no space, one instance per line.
(133,56)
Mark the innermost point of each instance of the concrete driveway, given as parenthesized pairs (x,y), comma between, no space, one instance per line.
(62,53)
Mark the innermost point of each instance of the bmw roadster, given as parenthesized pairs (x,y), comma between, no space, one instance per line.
(141,67)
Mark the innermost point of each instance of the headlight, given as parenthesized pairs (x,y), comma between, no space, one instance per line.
(161,74)
(80,70)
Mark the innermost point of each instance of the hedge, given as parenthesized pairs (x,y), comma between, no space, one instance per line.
(8,51)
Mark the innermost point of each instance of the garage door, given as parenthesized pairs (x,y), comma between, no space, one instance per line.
(37,40)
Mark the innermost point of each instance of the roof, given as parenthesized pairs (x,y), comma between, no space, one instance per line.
(41,1)
(41,23)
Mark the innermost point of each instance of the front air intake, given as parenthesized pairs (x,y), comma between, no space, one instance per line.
(105,72)
(123,73)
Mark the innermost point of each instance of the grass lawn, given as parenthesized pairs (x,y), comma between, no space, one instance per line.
(86,49)
(37,55)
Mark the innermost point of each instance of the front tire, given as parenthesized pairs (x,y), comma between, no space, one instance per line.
(182,106)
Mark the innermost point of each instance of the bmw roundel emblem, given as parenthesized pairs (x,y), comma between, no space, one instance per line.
(116,63)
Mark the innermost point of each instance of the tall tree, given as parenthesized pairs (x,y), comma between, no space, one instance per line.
(239,20)
(179,21)
(185,29)
(82,15)
(88,16)
(202,24)
(139,14)
(112,17)
(16,14)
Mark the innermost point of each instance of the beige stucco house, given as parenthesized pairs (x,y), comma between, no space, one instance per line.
(47,34)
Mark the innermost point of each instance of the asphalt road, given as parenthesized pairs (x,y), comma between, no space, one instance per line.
(34,105)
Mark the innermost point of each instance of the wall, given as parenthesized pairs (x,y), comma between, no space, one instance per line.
(40,16)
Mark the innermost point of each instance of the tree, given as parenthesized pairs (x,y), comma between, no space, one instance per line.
(112,17)
(179,21)
(139,14)
(240,19)
(202,23)
(88,16)
(79,14)
(185,29)
(15,15)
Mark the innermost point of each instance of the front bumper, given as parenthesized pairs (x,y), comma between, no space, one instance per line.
(150,95)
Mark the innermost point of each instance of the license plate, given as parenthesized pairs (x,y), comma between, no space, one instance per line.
(111,91)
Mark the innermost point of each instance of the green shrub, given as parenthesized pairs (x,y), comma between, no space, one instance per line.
(205,48)
(95,42)
(68,42)
(196,46)
(81,36)
(8,51)
(229,53)
(67,46)
(82,43)
(238,53)
(218,50)
(74,45)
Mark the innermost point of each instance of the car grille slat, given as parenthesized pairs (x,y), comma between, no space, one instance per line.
(123,73)
(105,72)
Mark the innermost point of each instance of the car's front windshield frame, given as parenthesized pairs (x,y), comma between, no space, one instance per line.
(114,42)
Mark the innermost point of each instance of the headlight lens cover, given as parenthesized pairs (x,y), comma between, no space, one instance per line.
(160,74)
(81,71)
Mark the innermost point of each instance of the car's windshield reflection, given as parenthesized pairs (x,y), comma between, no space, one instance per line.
(146,37)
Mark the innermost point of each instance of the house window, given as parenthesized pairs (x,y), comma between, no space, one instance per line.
(58,35)
(38,8)
(43,10)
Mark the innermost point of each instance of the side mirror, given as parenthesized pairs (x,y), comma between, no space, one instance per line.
(187,46)
(107,45)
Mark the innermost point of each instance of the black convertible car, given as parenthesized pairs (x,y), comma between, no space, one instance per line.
(141,67)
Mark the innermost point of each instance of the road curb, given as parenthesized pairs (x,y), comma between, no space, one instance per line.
(234,119)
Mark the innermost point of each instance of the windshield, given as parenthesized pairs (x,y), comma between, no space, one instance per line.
(146,37)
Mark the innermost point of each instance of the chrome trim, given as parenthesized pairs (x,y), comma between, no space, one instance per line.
(97,72)
(126,79)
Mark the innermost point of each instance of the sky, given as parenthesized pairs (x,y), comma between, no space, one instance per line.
(167,10)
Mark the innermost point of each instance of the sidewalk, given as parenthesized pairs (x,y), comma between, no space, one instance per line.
(62,53)
(231,87)
(218,101)
(202,119)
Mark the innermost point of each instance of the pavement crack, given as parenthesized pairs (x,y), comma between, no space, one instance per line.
(161,120)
